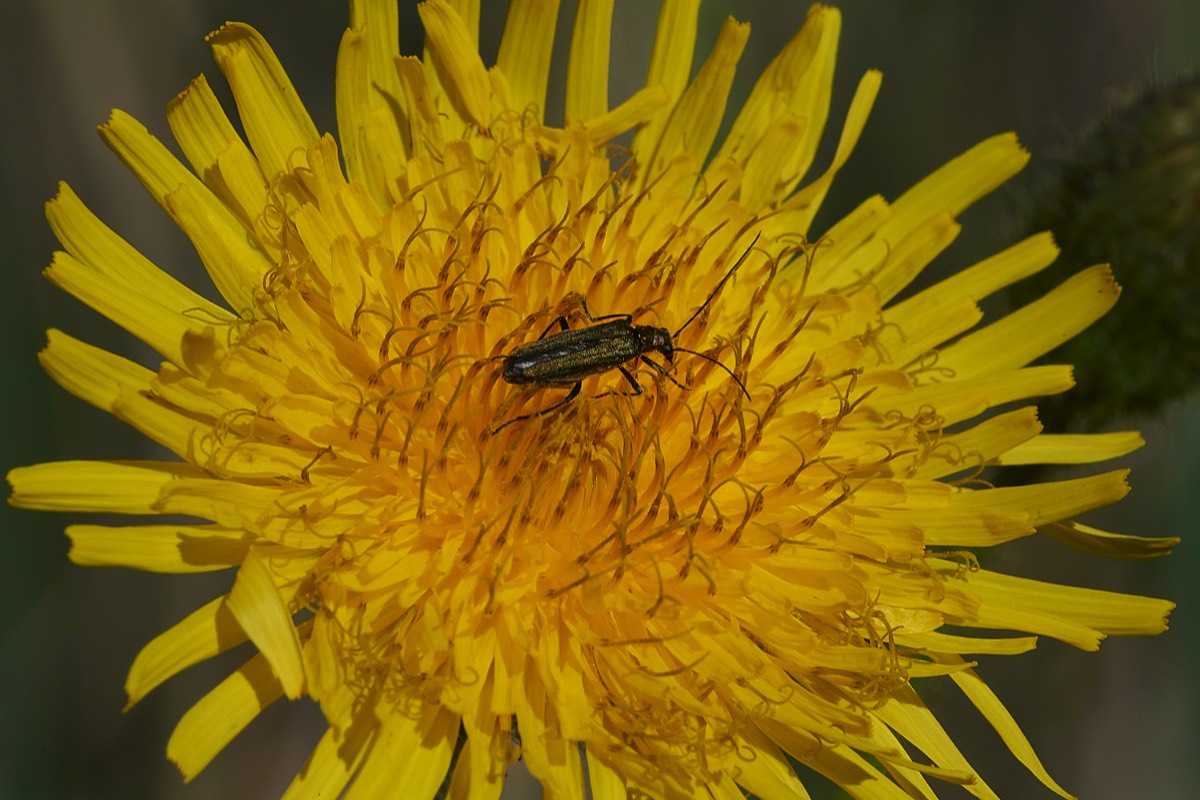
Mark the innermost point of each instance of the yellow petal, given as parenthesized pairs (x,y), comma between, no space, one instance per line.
(147,158)
(963,645)
(784,152)
(1049,502)
(670,66)
(259,608)
(553,760)
(456,57)
(259,461)
(206,632)
(275,121)
(995,612)
(604,781)
(524,56)
(200,126)
(724,788)
(334,760)
(368,93)
(910,254)
(109,487)
(221,715)
(563,668)
(908,716)
(1110,613)
(216,151)
(1082,448)
(813,92)
(1036,329)
(179,192)
(796,84)
(845,767)
(158,326)
(478,773)
(693,123)
(92,242)
(91,374)
(587,65)
(158,548)
(225,247)
(223,161)
(959,400)
(192,395)
(767,773)
(410,757)
(227,503)
(983,279)
(973,448)
(468,12)
(353,86)
(984,699)
(908,773)
(419,90)
(994,516)
(1108,545)
(967,526)
(201,217)
(809,198)
(844,239)
(907,344)
(958,184)
(629,114)
(158,421)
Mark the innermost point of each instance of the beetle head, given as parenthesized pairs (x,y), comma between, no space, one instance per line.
(656,339)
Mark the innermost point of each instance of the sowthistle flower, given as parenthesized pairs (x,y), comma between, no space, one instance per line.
(677,593)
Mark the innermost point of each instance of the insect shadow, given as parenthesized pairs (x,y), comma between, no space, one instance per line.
(566,357)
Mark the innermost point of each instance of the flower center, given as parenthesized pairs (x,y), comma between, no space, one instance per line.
(440,491)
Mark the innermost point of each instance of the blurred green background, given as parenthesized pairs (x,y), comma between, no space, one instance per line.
(1119,723)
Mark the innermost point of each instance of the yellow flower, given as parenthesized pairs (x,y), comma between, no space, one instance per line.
(677,593)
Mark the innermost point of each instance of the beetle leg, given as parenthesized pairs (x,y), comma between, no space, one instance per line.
(637,387)
(588,313)
(571,395)
(661,370)
(561,322)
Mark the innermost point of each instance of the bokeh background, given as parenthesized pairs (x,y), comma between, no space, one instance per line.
(1115,724)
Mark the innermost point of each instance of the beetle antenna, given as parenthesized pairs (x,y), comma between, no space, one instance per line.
(741,385)
(713,294)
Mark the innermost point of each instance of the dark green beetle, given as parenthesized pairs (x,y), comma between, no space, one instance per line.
(567,357)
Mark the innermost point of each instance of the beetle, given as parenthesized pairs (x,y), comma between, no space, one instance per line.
(563,359)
